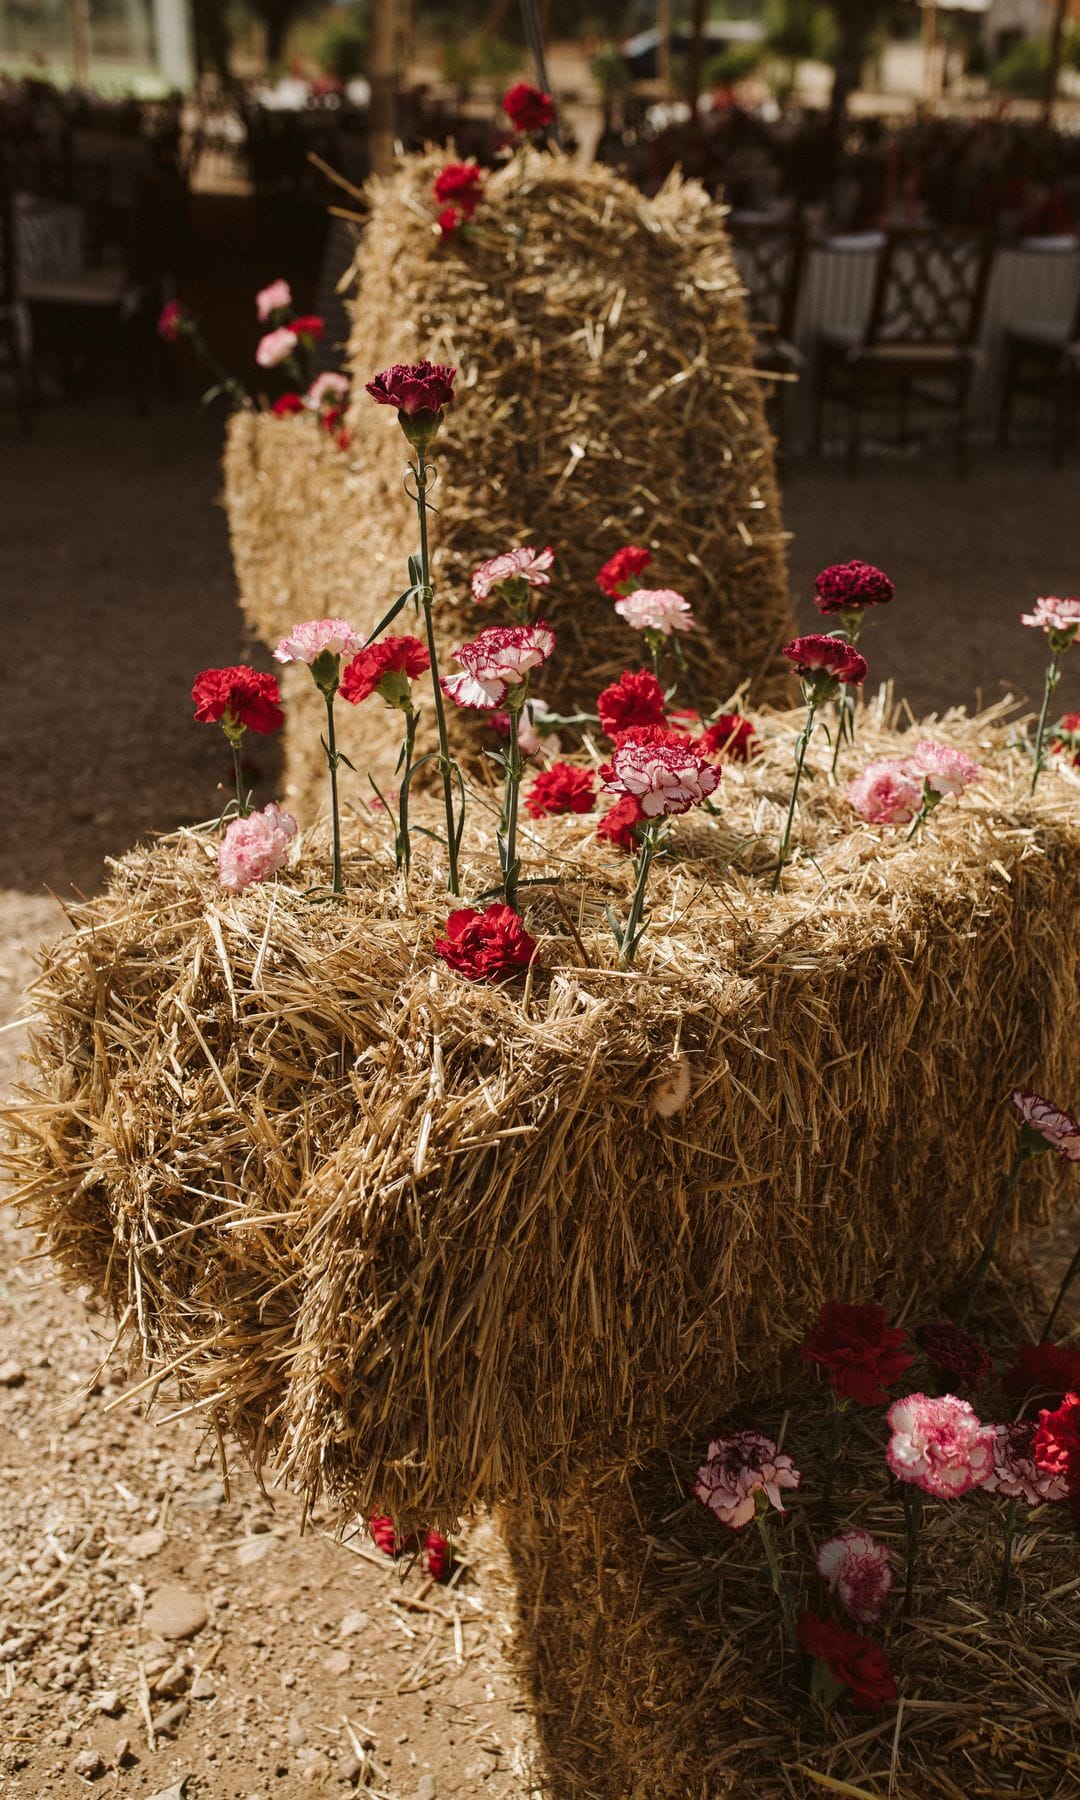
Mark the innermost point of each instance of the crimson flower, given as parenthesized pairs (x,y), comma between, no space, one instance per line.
(239,699)
(449,220)
(174,321)
(824,661)
(852,1661)
(617,825)
(309,326)
(562,789)
(954,1352)
(1056,1448)
(635,699)
(1048,1368)
(286,405)
(386,1538)
(439,1555)
(851,587)
(528,108)
(460,186)
(863,1353)
(420,391)
(1066,737)
(730,735)
(486,946)
(619,573)
(385,668)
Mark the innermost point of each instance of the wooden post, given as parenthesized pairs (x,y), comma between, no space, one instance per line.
(383,82)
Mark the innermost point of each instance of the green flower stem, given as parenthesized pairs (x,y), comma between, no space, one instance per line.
(1008,1528)
(446,766)
(1071,1273)
(514,769)
(332,759)
(226,382)
(1053,676)
(776,1575)
(242,807)
(633,929)
(851,623)
(913,1504)
(800,758)
(987,1256)
(404,846)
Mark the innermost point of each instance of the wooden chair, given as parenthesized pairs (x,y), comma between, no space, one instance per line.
(920,341)
(1043,363)
(769,256)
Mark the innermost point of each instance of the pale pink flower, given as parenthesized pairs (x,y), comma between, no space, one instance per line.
(886,793)
(663,770)
(737,1468)
(255,847)
(529,566)
(939,1445)
(1054,614)
(275,347)
(858,1570)
(1060,1129)
(656,609)
(275,298)
(1015,1473)
(947,771)
(497,660)
(305,642)
(330,385)
(533,740)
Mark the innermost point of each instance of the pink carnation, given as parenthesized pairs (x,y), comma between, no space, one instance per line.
(858,1570)
(529,566)
(330,385)
(1054,614)
(656,609)
(939,1445)
(886,793)
(1015,1473)
(276,347)
(317,636)
(1060,1129)
(946,770)
(737,1468)
(664,771)
(255,847)
(275,298)
(497,660)
(531,736)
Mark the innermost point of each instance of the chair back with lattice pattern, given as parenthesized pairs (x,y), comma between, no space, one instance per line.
(930,288)
(769,258)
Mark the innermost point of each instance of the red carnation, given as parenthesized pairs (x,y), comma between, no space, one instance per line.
(1056,1448)
(174,321)
(1066,737)
(851,1659)
(862,1352)
(851,587)
(826,660)
(286,405)
(635,699)
(460,185)
(387,668)
(449,221)
(617,824)
(619,573)
(955,1353)
(423,387)
(528,108)
(240,699)
(730,735)
(486,946)
(310,326)
(562,789)
(1047,1368)
(439,1555)
(386,1538)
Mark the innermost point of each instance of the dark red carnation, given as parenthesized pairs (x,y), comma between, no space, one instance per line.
(827,659)
(310,326)
(1046,1368)
(851,587)
(486,946)
(619,573)
(439,1555)
(562,789)
(732,736)
(863,1353)
(386,1538)
(173,321)
(528,108)
(955,1354)
(414,387)
(449,221)
(851,1659)
(460,185)
(286,405)
(635,699)
(388,667)
(240,699)
(617,825)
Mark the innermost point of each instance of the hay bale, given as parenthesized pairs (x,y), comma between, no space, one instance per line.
(606,394)
(428,1244)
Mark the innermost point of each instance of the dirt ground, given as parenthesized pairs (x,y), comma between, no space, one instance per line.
(152,1628)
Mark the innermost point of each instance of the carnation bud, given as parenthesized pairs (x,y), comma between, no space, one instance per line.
(420,427)
(326,672)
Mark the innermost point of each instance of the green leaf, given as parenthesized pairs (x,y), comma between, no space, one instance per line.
(388,618)
(616,928)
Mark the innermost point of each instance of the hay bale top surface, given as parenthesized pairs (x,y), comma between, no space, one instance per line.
(425,1242)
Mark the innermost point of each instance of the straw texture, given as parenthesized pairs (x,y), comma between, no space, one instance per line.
(430,1244)
(605,394)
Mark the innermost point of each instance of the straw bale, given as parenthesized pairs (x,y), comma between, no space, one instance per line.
(426,1244)
(606,394)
